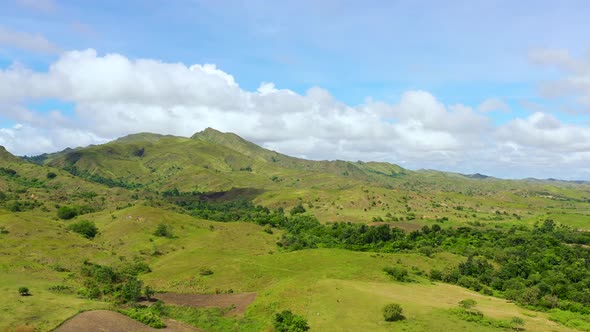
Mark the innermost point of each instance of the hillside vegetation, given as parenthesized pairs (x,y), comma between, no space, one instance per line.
(330,242)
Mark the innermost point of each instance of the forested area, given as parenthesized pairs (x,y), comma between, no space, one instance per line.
(545,266)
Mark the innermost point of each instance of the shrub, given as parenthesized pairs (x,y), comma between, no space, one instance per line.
(131,290)
(286,321)
(145,315)
(67,212)
(23,291)
(398,273)
(136,268)
(85,228)
(436,275)
(163,230)
(393,312)
(297,209)
(467,303)
(148,292)
(60,288)
(205,271)
(51,175)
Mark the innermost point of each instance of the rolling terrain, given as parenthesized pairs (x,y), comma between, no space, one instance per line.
(216,214)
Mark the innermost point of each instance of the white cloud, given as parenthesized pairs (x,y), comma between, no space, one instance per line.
(576,71)
(115,96)
(493,104)
(27,41)
(544,131)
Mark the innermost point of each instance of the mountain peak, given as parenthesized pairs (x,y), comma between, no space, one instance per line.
(236,143)
(139,137)
(214,135)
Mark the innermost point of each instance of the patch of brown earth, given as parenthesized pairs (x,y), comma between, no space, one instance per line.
(239,301)
(110,321)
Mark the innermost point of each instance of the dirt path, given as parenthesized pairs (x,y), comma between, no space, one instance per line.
(240,301)
(110,321)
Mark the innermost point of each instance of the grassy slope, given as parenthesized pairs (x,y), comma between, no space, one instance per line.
(335,191)
(347,289)
(334,289)
(30,254)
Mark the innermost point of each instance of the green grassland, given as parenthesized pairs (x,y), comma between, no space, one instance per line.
(120,187)
(337,290)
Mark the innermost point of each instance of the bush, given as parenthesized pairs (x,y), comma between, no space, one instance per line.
(393,312)
(67,212)
(436,275)
(51,175)
(136,268)
(24,291)
(163,230)
(148,292)
(467,303)
(205,271)
(398,273)
(297,209)
(145,315)
(85,228)
(286,321)
(131,290)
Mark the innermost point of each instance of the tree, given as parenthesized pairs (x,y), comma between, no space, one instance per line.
(286,321)
(297,209)
(131,290)
(67,212)
(86,228)
(24,291)
(393,312)
(163,230)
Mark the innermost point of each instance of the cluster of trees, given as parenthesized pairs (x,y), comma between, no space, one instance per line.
(101,179)
(233,210)
(544,266)
(120,285)
(21,180)
(69,212)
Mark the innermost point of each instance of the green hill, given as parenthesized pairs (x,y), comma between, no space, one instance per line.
(215,213)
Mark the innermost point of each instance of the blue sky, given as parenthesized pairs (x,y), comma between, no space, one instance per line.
(523,55)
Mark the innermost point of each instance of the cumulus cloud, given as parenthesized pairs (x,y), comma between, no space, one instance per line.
(544,131)
(114,96)
(27,41)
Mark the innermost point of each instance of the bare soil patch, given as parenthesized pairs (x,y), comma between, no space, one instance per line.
(239,301)
(105,320)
